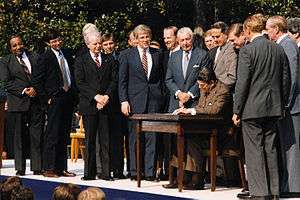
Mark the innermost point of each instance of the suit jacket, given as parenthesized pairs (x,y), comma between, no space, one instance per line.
(48,78)
(142,94)
(213,53)
(226,64)
(292,51)
(174,77)
(263,82)
(92,81)
(216,101)
(15,81)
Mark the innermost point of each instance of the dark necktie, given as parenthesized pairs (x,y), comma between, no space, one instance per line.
(97,60)
(145,62)
(24,66)
(63,69)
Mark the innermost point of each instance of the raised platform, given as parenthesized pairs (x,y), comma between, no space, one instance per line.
(118,189)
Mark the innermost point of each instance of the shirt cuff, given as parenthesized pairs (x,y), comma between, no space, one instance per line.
(23,92)
(176,93)
(191,94)
(98,95)
(192,111)
(124,102)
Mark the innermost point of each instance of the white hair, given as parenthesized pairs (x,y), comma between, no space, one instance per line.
(89,27)
(184,31)
(91,35)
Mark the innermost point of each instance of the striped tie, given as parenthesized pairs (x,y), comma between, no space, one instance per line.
(97,60)
(145,62)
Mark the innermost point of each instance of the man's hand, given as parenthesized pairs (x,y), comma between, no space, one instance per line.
(183,97)
(101,99)
(125,108)
(30,92)
(181,110)
(99,106)
(236,119)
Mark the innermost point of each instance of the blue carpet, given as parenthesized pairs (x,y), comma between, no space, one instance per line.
(43,191)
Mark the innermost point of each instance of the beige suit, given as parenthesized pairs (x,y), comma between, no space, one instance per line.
(225,65)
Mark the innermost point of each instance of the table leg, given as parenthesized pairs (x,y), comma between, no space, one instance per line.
(138,152)
(180,155)
(213,159)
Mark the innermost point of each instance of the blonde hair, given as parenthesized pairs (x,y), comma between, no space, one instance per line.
(255,24)
(142,28)
(279,22)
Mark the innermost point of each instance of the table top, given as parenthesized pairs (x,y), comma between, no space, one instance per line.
(168,117)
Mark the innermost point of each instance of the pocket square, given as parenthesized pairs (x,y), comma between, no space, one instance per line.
(196,66)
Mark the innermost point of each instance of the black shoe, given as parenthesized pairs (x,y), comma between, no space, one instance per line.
(86,178)
(152,178)
(193,186)
(290,195)
(37,172)
(164,177)
(171,185)
(119,176)
(106,178)
(20,173)
(245,195)
(133,178)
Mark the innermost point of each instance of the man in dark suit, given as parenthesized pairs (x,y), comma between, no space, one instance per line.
(23,104)
(261,92)
(289,127)
(140,91)
(54,82)
(96,80)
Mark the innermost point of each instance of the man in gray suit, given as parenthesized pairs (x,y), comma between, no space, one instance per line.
(182,72)
(181,80)
(261,92)
(226,58)
(289,127)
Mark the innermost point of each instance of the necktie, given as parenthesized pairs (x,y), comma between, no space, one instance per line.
(185,63)
(145,62)
(64,72)
(25,68)
(97,60)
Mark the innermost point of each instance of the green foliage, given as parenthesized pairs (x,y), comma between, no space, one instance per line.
(32,18)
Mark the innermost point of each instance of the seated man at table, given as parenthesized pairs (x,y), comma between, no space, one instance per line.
(215,98)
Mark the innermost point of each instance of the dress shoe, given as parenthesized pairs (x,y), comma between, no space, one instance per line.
(86,178)
(133,178)
(120,176)
(152,178)
(171,185)
(164,177)
(37,172)
(65,173)
(106,178)
(50,173)
(245,194)
(192,186)
(20,173)
(289,194)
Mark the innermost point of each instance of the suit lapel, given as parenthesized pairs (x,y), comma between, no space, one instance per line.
(179,64)
(19,66)
(155,61)
(138,62)
(192,62)
(220,55)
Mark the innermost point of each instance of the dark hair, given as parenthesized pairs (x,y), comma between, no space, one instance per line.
(51,35)
(12,37)
(66,192)
(22,193)
(8,186)
(236,29)
(107,36)
(206,74)
(220,25)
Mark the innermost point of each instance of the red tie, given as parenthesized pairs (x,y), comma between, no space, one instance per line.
(97,60)
(145,62)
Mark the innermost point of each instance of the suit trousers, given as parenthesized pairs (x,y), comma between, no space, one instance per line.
(260,143)
(31,121)
(289,132)
(148,142)
(59,115)
(96,125)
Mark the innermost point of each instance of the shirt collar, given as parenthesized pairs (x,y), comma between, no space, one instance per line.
(281,38)
(175,49)
(141,50)
(56,52)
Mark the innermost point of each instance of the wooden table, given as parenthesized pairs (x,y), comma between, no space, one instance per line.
(205,125)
